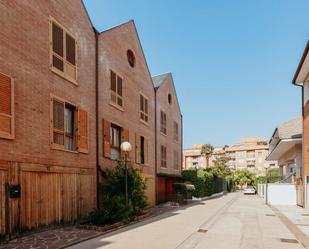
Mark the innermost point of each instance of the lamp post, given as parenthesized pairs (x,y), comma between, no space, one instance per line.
(126,147)
(266,168)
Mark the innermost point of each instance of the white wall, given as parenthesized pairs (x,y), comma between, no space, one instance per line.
(278,193)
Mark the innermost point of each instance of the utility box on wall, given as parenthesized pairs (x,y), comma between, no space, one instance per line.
(14,191)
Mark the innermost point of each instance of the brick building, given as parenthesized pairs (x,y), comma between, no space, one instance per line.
(69,96)
(47,122)
(126,102)
(168,136)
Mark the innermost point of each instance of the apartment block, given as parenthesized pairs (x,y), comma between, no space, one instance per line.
(47,122)
(250,153)
(168,136)
(192,157)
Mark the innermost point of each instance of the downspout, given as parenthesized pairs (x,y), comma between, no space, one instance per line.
(181,143)
(156,170)
(97,113)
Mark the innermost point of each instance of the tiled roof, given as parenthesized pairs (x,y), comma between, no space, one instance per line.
(159,79)
(291,129)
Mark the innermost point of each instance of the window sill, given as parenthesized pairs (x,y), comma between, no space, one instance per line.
(7,136)
(116,106)
(64,150)
(163,134)
(144,122)
(62,75)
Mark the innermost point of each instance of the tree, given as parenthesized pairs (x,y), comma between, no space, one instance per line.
(207,151)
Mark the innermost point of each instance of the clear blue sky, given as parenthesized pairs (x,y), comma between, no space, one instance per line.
(232,61)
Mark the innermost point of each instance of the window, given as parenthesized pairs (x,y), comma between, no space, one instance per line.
(250,154)
(63,52)
(113,136)
(69,127)
(69,116)
(163,123)
(116,90)
(169,98)
(176,160)
(6,107)
(131,58)
(143,108)
(141,149)
(260,154)
(115,140)
(163,157)
(176,132)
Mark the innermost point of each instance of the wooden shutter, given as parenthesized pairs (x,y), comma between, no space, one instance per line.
(57,123)
(70,49)
(57,47)
(6,107)
(106,138)
(137,148)
(82,132)
(146,155)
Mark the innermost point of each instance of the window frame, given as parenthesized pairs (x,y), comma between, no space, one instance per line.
(176,160)
(63,73)
(5,135)
(143,112)
(163,123)
(56,146)
(115,104)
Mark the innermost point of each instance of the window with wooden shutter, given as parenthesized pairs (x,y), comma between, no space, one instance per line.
(143,108)
(137,148)
(163,157)
(125,136)
(116,90)
(6,107)
(176,132)
(57,123)
(63,51)
(146,152)
(106,139)
(163,123)
(176,160)
(83,131)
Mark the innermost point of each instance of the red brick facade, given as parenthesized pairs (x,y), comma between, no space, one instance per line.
(50,150)
(56,185)
(113,47)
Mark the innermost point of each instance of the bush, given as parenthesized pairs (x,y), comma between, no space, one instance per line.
(183,187)
(112,193)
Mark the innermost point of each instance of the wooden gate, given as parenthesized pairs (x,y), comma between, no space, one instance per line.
(3,204)
(299,191)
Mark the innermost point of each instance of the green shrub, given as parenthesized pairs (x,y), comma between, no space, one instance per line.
(183,187)
(112,196)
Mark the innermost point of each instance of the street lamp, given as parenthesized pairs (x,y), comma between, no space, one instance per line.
(126,147)
(266,168)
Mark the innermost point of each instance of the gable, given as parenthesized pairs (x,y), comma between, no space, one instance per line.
(116,42)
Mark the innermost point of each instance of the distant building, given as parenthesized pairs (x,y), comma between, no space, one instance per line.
(286,147)
(248,153)
(192,157)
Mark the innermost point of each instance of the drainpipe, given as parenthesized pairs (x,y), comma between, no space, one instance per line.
(181,143)
(97,113)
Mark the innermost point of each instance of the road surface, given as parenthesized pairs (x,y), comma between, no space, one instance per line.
(231,221)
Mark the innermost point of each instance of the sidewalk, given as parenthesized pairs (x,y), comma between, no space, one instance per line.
(296,219)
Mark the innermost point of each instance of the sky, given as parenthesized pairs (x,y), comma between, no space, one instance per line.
(232,61)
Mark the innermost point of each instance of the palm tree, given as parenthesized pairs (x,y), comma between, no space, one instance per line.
(207,151)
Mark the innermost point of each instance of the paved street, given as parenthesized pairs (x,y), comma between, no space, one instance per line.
(232,221)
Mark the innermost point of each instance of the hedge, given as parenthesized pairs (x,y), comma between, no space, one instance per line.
(205,183)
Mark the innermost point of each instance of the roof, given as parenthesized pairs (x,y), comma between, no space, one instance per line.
(158,80)
(302,69)
(291,129)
